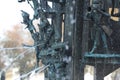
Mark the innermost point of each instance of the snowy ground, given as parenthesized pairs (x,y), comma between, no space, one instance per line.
(13,74)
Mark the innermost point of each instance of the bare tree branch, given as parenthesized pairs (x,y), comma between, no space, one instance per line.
(14,48)
(39,69)
(14,60)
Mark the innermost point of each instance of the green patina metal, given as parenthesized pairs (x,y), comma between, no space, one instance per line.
(47,40)
(97,17)
(48,49)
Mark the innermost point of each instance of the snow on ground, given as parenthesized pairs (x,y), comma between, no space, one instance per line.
(88,76)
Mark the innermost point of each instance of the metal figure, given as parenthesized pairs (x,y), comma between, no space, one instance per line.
(28,22)
(97,33)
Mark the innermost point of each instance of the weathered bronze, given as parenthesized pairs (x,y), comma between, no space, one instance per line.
(97,15)
(48,49)
(54,42)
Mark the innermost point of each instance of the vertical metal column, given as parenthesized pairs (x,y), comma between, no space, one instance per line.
(57,21)
(68,35)
(73,35)
(78,65)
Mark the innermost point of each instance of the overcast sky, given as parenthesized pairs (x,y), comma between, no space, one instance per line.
(10,13)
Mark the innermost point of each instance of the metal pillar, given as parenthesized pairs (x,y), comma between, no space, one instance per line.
(78,62)
(73,35)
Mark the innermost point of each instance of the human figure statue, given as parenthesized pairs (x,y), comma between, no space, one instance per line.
(97,32)
(27,21)
(45,28)
(35,35)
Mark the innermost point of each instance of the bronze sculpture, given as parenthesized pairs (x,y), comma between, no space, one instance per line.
(96,15)
(46,47)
